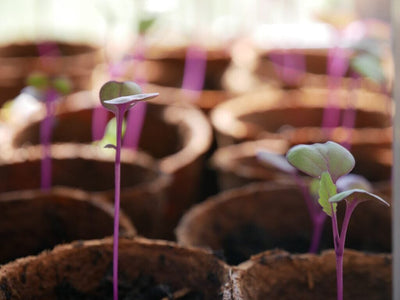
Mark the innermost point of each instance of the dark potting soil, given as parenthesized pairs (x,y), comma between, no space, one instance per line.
(143,287)
(250,239)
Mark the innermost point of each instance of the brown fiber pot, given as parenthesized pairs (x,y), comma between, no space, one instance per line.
(165,66)
(238,164)
(260,216)
(315,73)
(17,61)
(279,275)
(82,270)
(177,137)
(33,220)
(91,169)
(279,114)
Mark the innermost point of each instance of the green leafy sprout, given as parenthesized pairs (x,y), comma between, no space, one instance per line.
(327,163)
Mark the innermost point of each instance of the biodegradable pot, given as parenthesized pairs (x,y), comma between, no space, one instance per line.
(146,267)
(279,275)
(91,169)
(165,66)
(279,114)
(74,61)
(270,66)
(33,220)
(260,216)
(178,137)
(238,164)
(205,100)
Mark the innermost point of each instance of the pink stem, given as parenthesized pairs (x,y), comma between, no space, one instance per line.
(339,242)
(45,137)
(136,116)
(99,122)
(349,117)
(317,215)
(119,116)
(289,66)
(338,63)
(195,70)
(318,227)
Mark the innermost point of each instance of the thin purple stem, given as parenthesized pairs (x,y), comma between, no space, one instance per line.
(289,66)
(45,137)
(195,70)
(338,63)
(135,123)
(99,122)
(317,215)
(318,227)
(349,117)
(340,243)
(310,203)
(136,117)
(119,116)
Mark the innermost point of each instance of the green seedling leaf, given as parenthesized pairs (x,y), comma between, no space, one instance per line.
(145,24)
(127,93)
(356,195)
(327,189)
(368,66)
(318,158)
(38,80)
(110,136)
(62,85)
(273,160)
(353,181)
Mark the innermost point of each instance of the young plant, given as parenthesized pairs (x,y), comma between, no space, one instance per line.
(47,89)
(327,163)
(119,97)
(315,212)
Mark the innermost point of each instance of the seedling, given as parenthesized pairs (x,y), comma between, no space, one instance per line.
(47,89)
(315,212)
(119,97)
(328,163)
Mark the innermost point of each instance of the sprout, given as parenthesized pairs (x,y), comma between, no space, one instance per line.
(329,162)
(119,97)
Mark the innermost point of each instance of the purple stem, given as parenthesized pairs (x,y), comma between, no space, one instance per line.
(136,116)
(119,117)
(99,122)
(338,63)
(339,243)
(195,70)
(289,66)
(45,137)
(317,215)
(349,117)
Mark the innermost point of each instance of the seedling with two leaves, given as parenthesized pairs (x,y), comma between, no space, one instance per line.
(328,163)
(119,97)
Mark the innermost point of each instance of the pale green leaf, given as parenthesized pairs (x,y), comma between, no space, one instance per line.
(356,195)
(318,158)
(368,66)
(327,189)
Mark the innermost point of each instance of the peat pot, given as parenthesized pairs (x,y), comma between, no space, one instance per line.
(286,114)
(309,69)
(238,164)
(148,269)
(34,220)
(177,137)
(18,61)
(280,275)
(91,169)
(261,216)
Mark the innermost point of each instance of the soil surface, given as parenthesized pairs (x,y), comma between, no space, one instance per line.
(143,287)
(250,239)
